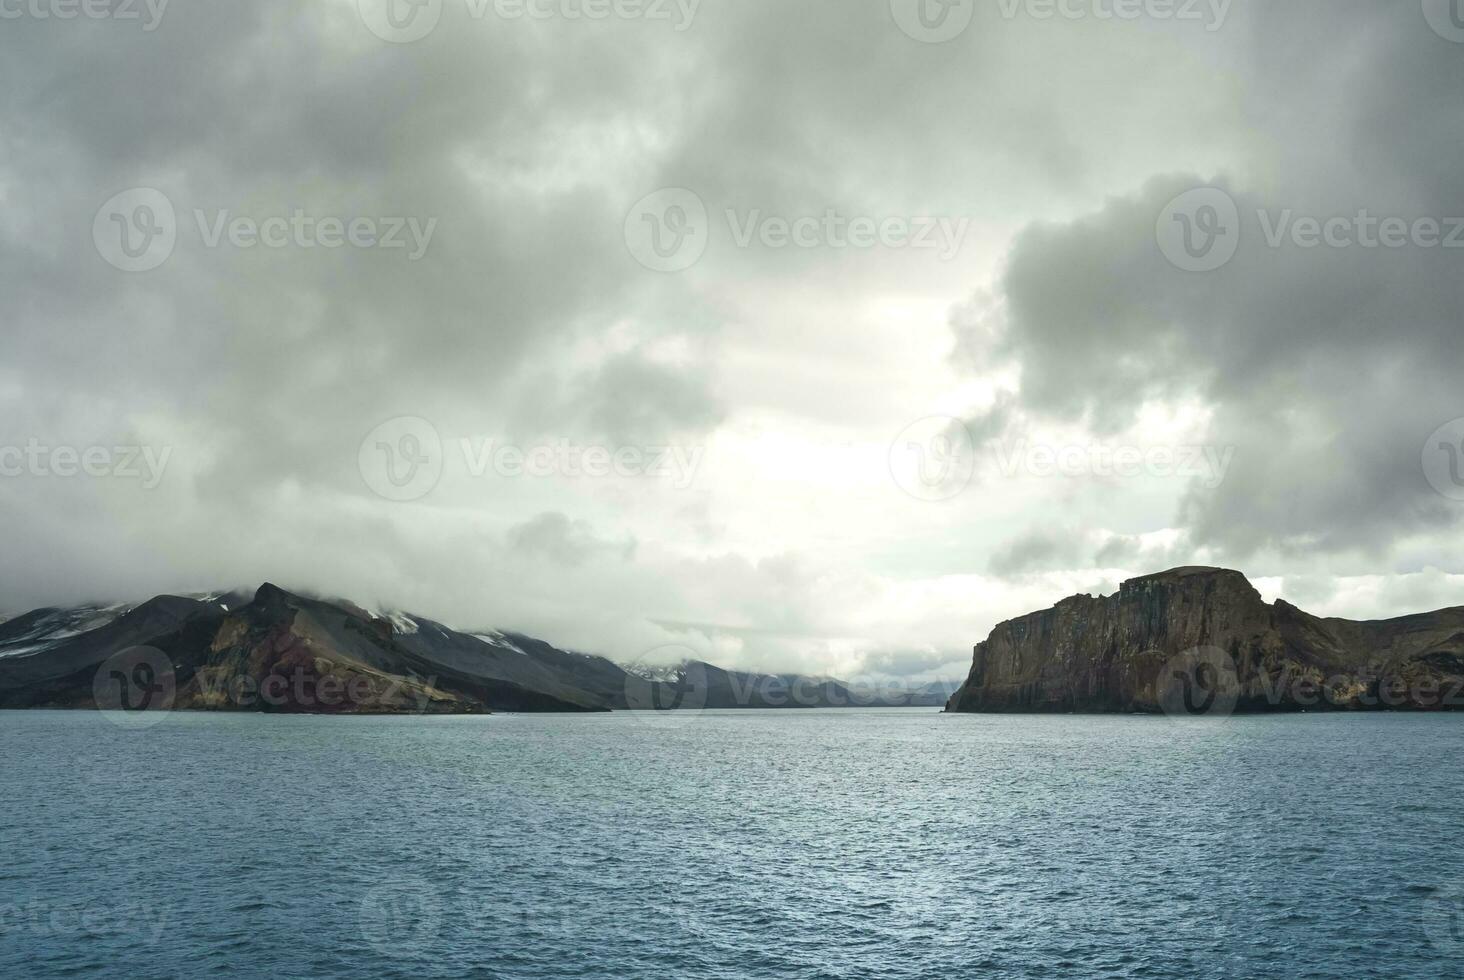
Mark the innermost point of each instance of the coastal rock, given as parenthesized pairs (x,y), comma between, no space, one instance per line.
(1123,653)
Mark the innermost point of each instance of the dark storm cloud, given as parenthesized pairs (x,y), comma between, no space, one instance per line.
(1042,549)
(568,542)
(1326,367)
(526,319)
(256,110)
(268,366)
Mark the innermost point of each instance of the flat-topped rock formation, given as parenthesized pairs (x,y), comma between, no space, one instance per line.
(1118,653)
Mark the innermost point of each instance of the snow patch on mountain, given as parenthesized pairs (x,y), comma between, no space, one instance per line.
(496,639)
(61,624)
(657,673)
(402,623)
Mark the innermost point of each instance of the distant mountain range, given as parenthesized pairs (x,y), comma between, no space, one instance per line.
(276,651)
(1201,641)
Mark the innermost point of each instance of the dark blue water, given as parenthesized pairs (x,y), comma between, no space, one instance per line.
(883,844)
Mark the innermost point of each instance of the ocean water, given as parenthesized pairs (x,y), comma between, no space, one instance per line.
(811,845)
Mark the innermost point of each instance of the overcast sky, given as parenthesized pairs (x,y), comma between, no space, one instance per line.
(822,334)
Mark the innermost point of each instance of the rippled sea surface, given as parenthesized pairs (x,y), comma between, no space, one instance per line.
(823,844)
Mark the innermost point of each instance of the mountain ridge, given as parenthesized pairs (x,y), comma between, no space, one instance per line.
(282,651)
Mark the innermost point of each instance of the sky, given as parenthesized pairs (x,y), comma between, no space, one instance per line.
(814,335)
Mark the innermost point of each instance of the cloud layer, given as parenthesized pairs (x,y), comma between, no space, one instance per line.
(781,370)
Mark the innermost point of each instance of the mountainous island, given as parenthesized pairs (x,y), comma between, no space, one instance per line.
(276,651)
(1187,639)
(1204,634)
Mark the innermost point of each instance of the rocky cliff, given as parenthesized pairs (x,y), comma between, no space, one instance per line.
(1196,640)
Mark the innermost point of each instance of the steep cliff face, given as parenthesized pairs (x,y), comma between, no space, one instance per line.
(1126,652)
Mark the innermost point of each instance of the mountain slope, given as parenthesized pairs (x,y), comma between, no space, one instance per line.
(577,679)
(702,685)
(282,652)
(1199,627)
(275,652)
